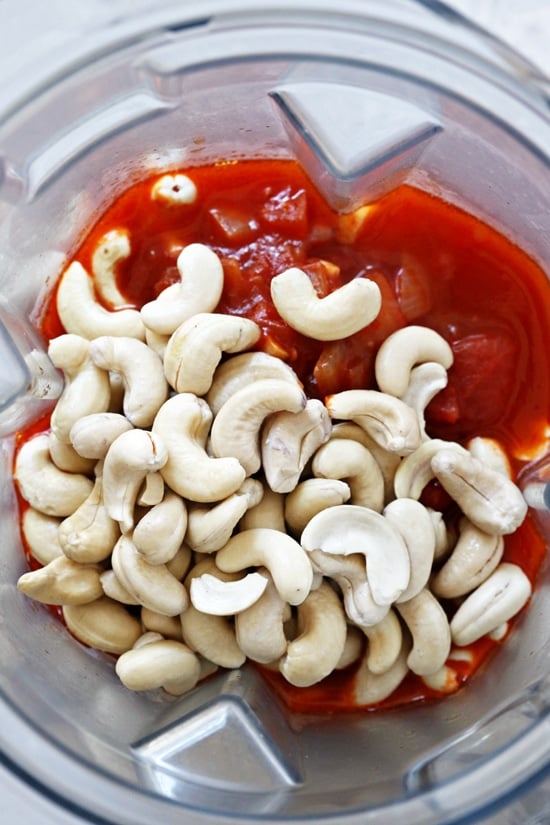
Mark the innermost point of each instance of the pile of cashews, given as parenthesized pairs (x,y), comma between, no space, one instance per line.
(191,508)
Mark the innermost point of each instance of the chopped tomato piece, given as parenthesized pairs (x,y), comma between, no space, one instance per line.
(233,225)
(412,289)
(286,212)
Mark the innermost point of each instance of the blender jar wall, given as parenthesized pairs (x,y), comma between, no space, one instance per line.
(193,95)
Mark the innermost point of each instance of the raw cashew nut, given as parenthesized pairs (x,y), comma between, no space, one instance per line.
(387,461)
(404,349)
(385,643)
(495,601)
(413,522)
(165,663)
(430,631)
(371,688)
(338,315)
(288,441)
(89,534)
(158,535)
(269,512)
(475,556)
(244,369)
(286,561)
(209,529)
(62,581)
(489,499)
(196,347)
(145,387)
(310,497)
(115,590)
(80,312)
(151,491)
(103,624)
(174,189)
(349,460)
(183,423)
(317,650)
(260,628)
(129,458)
(66,457)
(92,435)
(40,533)
(353,649)
(350,529)
(198,291)
(389,421)
(425,381)
(236,428)
(350,574)
(490,453)
(86,389)
(167,626)
(209,594)
(415,471)
(152,584)
(113,247)
(43,485)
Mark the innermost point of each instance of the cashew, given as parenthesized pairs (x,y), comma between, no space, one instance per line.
(260,628)
(80,313)
(87,388)
(495,601)
(43,485)
(385,642)
(269,512)
(92,435)
(211,595)
(103,624)
(338,315)
(371,688)
(425,381)
(40,533)
(353,648)
(211,636)
(444,680)
(286,561)
(167,626)
(113,247)
(244,369)
(158,535)
(62,581)
(445,538)
(145,387)
(129,458)
(151,491)
(489,499)
(288,441)
(236,428)
(179,565)
(115,590)
(349,460)
(473,559)
(389,421)
(89,534)
(350,574)
(152,585)
(402,350)
(415,471)
(430,630)
(174,189)
(66,457)
(183,423)
(209,529)
(196,347)
(387,461)
(317,650)
(490,453)
(164,663)
(413,522)
(157,342)
(350,529)
(310,497)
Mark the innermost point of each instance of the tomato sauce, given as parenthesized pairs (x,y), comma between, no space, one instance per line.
(435,265)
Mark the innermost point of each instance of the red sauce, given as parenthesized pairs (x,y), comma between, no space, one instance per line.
(436,266)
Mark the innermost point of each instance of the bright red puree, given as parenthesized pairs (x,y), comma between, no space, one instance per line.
(435,265)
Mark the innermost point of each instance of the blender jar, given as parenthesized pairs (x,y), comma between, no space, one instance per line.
(365,95)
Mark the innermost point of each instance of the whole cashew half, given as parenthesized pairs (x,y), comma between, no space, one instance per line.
(404,349)
(183,423)
(310,497)
(161,663)
(89,534)
(152,585)
(92,435)
(474,557)
(62,581)
(260,628)
(413,522)
(103,624)
(315,653)
(385,643)
(371,688)
(113,247)
(348,460)
(196,347)
(415,471)
(145,387)
(243,369)
(388,420)
(430,630)
(41,535)
(210,528)
(158,535)
(338,315)
(209,594)
(198,291)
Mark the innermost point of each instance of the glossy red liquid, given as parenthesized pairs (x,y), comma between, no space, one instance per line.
(436,266)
